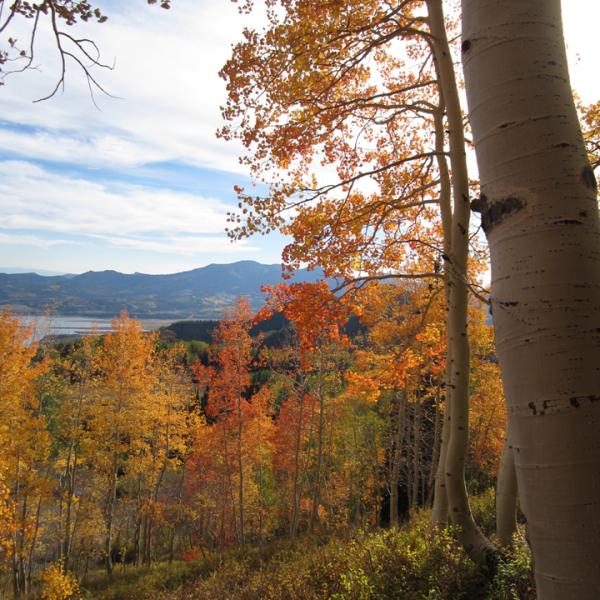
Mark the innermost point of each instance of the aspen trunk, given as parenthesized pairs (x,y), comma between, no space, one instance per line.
(231,495)
(435,451)
(110,506)
(397,459)
(458,340)
(178,513)
(314,514)
(240,467)
(67,535)
(416,472)
(539,212)
(506,496)
(439,512)
(296,481)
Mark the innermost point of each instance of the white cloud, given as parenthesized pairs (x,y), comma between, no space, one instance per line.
(32,240)
(34,198)
(108,150)
(181,245)
(166,78)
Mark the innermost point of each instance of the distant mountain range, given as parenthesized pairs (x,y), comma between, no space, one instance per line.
(198,294)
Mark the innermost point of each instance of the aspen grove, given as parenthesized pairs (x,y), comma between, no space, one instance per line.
(120,449)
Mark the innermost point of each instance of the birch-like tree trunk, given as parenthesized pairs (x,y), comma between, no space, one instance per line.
(539,211)
(296,480)
(397,457)
(416,440)
(439,512)
(458,338)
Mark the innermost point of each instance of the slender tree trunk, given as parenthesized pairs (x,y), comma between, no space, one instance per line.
(147,530)
(416,452)
(15,574)
(110,508)
(33,543)
(137,544)
(296,481)
(506,496)
(314,514)
(408,463)
(435,452)
(470,535)
(66,545)
(21,547)
(231,493)
(15,538)
(178,513)
(397,458)
(539,212)
(240,468)
(439,512)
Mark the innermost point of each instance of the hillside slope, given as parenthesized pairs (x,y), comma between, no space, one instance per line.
(201,293)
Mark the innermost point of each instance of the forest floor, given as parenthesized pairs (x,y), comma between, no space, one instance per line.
(412,562)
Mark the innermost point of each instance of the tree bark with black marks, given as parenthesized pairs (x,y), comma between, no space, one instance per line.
(539,211)
(459,510)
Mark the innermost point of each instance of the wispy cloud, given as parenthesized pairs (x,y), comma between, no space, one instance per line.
(32,240)
(167,84)
(181,245)
(32,197)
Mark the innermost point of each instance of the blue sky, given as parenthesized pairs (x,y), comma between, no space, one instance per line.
(143,184)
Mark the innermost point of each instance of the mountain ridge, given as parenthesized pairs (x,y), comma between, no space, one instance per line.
(201,293)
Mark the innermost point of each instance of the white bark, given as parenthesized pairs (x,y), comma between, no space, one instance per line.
(506,496)
(439,511)
(540,214)
(458,341)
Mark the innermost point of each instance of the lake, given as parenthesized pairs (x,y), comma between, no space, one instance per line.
(72,325)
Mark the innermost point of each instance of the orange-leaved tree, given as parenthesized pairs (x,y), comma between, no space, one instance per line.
(351,115)
(317,317)
(236,419)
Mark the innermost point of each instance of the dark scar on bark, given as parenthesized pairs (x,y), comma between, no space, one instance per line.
(494,214)
(576,400)
(479,204)
(589,179)
(465,46)
(567,222)
(508,302)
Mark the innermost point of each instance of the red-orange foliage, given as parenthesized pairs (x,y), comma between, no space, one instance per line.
(233,449)
(316,313)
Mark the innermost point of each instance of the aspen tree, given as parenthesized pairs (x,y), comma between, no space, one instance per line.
(330,83)
(120,419)
(539,211)
(24,447)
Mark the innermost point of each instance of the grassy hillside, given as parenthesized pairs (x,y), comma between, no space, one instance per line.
(413,562)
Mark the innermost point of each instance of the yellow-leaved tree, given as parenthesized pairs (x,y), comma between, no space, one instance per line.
(24,449)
